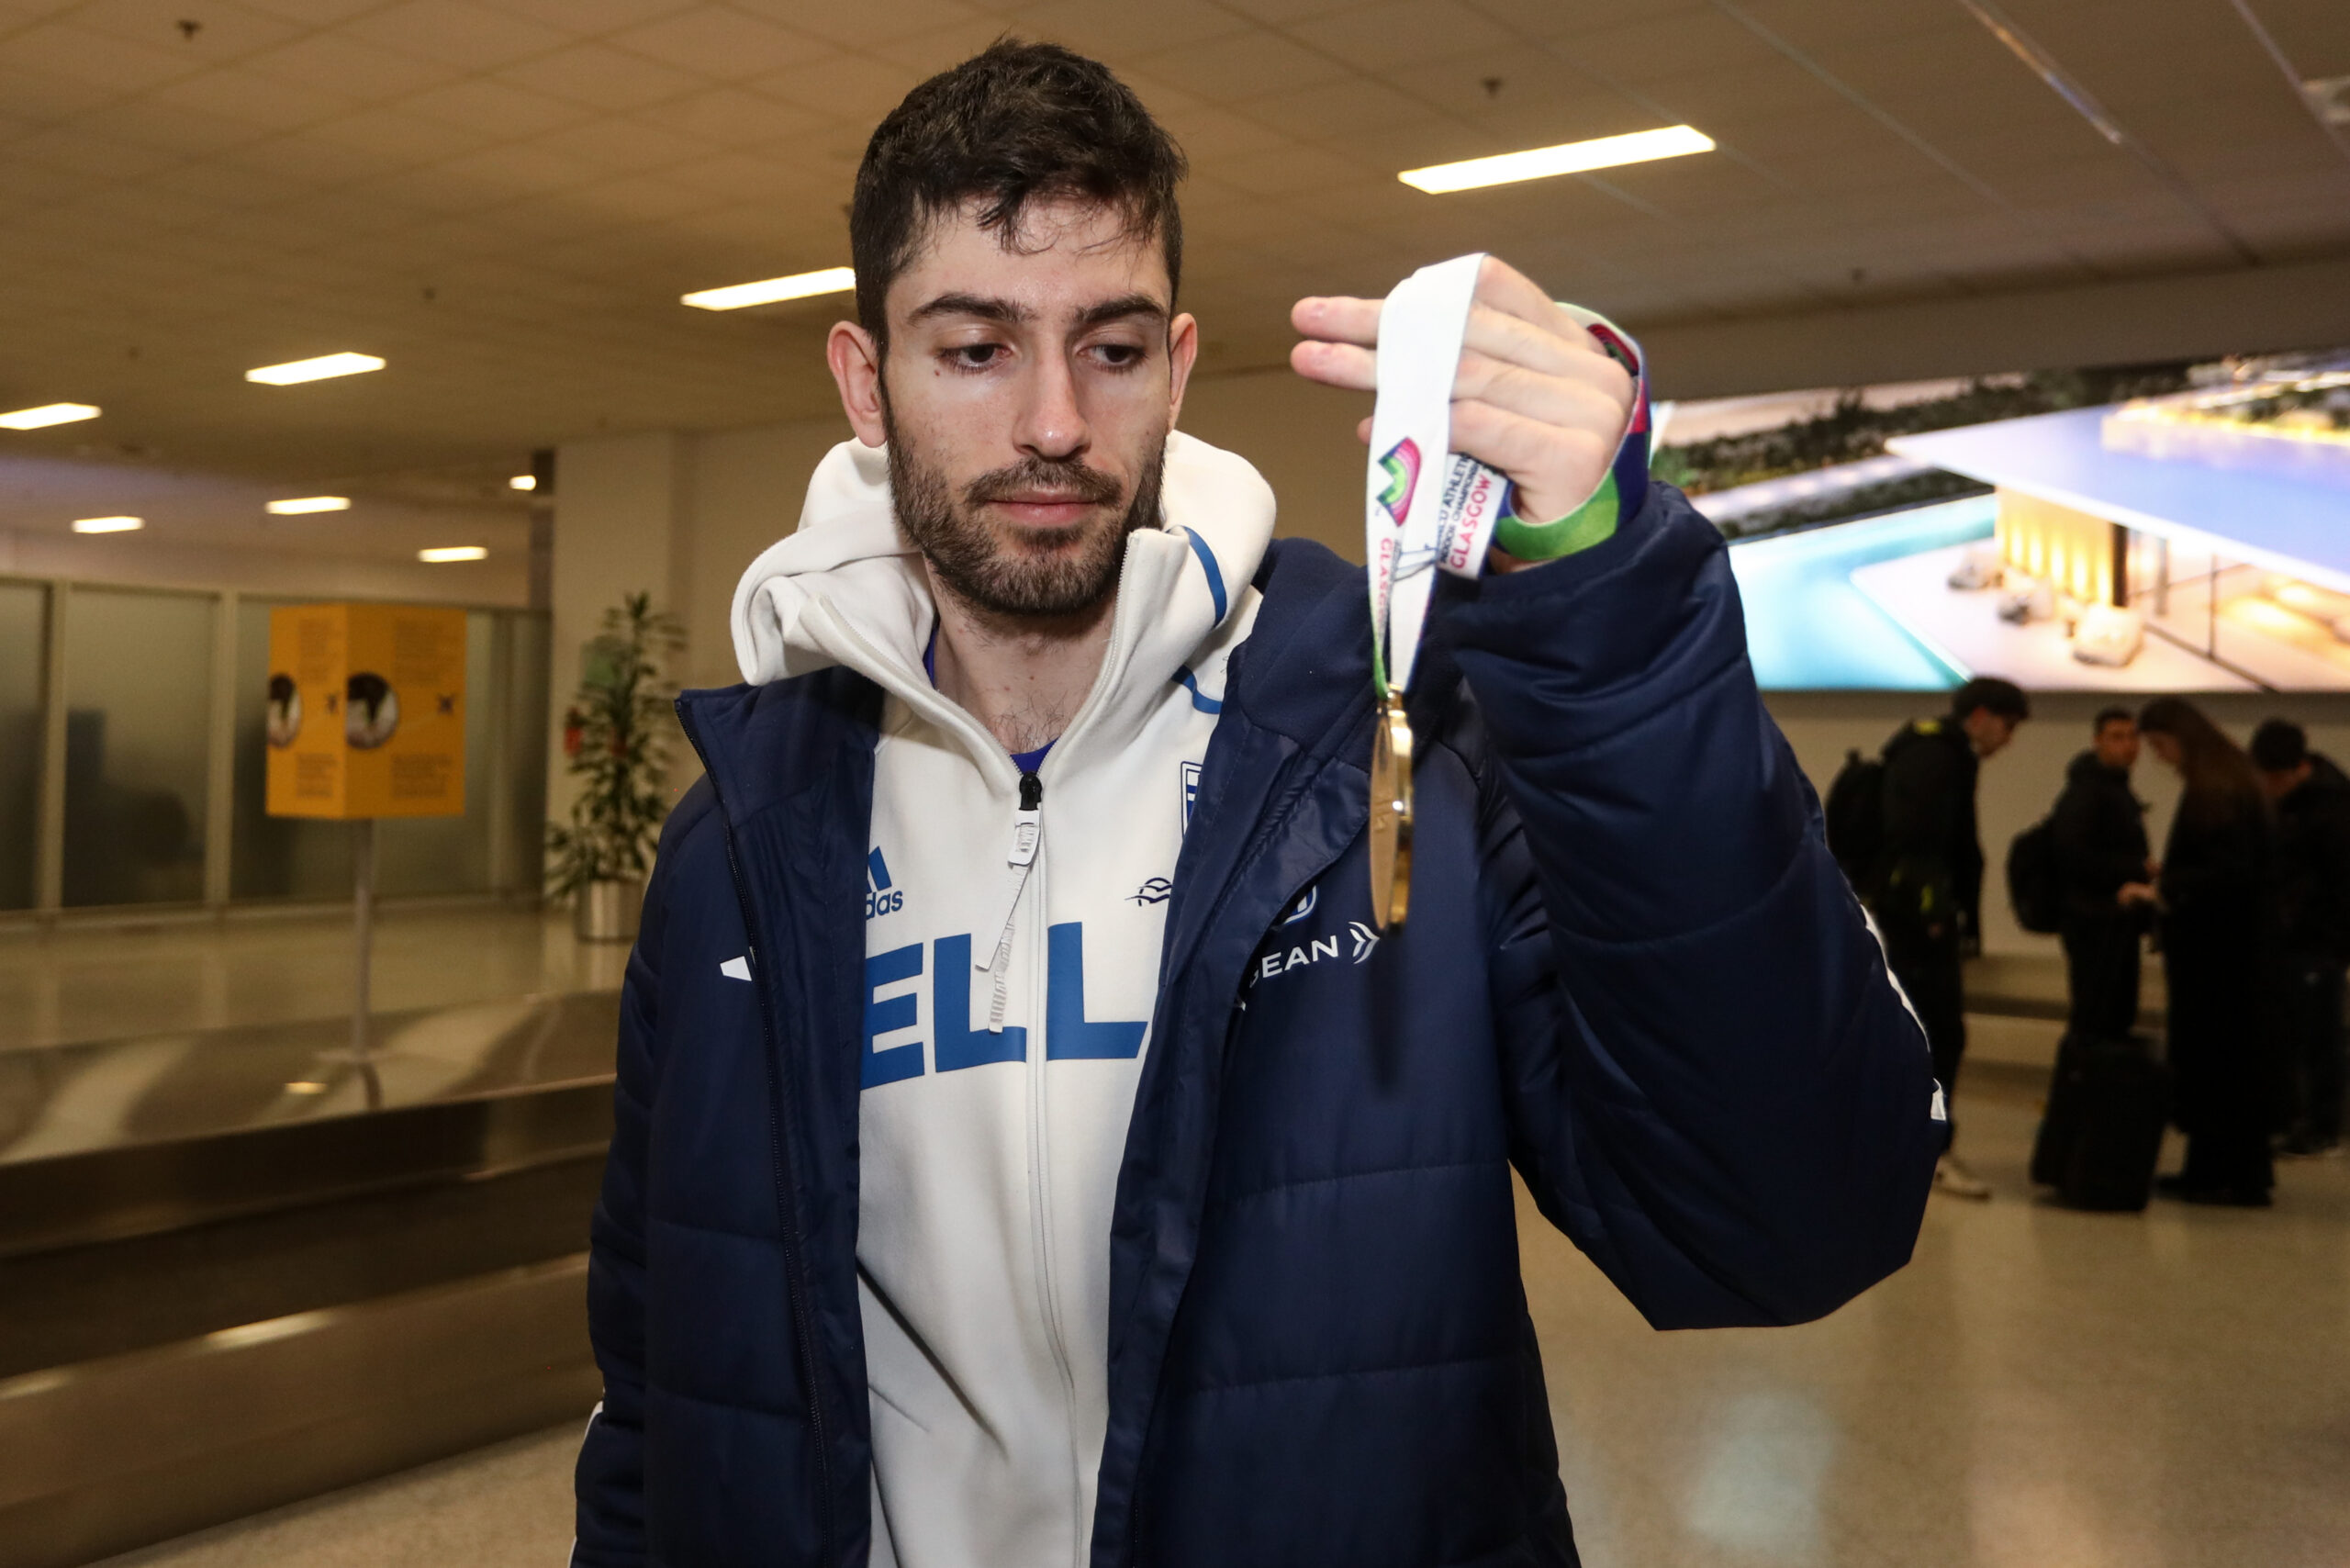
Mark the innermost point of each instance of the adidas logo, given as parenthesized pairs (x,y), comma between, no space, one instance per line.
(881,897)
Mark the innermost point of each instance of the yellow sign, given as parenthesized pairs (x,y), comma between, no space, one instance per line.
(366,712)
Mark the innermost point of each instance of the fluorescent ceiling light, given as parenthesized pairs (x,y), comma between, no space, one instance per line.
(799,285)
(523,482)
(318,369)
(454,553)
(45,414)
(301,504)
(1573,158)
(107,524)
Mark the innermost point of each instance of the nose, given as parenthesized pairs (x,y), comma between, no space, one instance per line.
(1052,425)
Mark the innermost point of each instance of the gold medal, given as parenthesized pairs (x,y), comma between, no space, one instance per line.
(1390,815)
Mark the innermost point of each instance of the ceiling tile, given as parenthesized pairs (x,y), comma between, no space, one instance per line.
(591,18)
(80,54)
(618,146)
(345,66)
(312,13)
(1125,30)
(849,88)
(601,77)
(394,138)
(1335,112)
(492,108)
(927,53)
(722,45)
(731,116)
(43,98)
(1244,65)
(225,32)
(871,22)
(92,157)
(452,32)
(1380,38)
(264,103)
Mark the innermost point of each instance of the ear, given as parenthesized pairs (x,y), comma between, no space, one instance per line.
(856,364)
(1182,352)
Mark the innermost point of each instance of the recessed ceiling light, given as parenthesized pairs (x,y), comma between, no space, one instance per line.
(318,369)
(1573,157)
(45,414)
(301,504)
(107,524)
(305,1086)
(454,553)
(523,482)
(799,285)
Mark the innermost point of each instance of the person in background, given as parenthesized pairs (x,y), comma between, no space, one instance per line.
(2311,799)
(2215,900)
(1927,888)
(2101,837)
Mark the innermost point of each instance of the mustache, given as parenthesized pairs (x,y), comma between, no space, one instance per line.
(1062,476)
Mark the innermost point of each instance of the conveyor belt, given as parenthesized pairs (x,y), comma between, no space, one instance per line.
(192,1328)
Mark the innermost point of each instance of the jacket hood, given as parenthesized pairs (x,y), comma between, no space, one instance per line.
(846,586)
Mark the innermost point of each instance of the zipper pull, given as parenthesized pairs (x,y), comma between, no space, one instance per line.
(1027,833)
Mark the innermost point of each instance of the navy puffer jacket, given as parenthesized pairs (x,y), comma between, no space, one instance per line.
(1632,972)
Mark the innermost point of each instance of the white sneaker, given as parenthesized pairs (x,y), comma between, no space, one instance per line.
(1957,1181)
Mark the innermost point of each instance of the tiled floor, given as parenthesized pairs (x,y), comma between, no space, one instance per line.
(2038,1389)
(77,984)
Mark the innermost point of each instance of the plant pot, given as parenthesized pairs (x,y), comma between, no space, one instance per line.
(606,911)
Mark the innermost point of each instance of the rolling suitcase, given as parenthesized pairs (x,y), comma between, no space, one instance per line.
(2103,1129)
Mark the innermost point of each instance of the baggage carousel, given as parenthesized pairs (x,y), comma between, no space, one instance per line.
(238,1268)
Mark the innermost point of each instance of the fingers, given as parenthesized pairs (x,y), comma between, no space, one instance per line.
(1337,319)
(1554,346)
(1337,365)
(1555,467)
(1599,396)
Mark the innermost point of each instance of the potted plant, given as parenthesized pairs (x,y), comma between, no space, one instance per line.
(617,734)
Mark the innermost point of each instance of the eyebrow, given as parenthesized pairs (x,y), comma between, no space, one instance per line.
(988,308)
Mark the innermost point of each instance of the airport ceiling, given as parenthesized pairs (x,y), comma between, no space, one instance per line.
(504,198)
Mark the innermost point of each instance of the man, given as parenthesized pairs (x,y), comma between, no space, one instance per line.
(2100,829)
(2312,798)
(1927,888)
(1029,1149)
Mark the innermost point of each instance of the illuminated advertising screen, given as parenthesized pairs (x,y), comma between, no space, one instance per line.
(2144,528)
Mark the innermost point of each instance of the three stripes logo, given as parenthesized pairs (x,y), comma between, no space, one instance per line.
(881,897)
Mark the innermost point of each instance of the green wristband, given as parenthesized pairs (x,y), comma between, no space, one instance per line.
(1594,523)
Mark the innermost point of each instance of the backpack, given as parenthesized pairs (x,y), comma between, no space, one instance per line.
(1854,816)
(2034,888)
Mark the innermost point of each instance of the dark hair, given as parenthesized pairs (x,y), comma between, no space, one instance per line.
(2280,745)
(2217,776)
(1015,123)
(2112,716)
(2004,698)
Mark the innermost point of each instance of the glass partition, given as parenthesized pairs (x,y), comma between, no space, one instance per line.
(137,708)
(273,857)
(140,729)
(451,855)
(24,615)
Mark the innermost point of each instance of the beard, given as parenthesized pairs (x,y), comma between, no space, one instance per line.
(1007,570)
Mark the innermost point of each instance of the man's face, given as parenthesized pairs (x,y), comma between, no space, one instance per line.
(2117,743)
(1990,731)
(1025,396)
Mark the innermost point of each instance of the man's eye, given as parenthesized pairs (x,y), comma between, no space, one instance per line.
(975,356)
(1118,356)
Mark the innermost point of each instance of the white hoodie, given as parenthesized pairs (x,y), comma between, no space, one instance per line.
(990,1158)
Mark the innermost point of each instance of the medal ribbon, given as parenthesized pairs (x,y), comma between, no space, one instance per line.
(1428,509)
